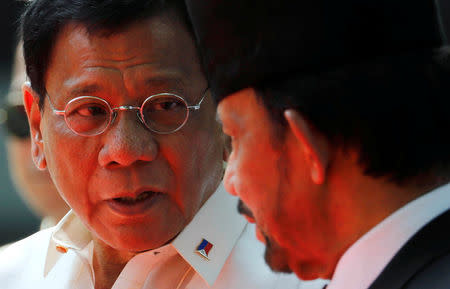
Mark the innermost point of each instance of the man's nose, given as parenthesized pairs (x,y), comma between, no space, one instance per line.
(126,142)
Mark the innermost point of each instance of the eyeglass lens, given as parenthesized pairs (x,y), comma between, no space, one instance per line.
(91,116)
(164,113)
(88,116)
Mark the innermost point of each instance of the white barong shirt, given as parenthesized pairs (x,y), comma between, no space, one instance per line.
(61,257)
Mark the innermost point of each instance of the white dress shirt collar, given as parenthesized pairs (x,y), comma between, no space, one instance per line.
(365,259)
(217,222)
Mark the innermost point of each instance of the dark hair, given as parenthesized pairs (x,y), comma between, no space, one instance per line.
(394,110)
(44,19)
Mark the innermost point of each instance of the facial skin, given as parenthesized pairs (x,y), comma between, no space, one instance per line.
(184,168)
(35,186)
(258,173)
(279,175)
(310,200)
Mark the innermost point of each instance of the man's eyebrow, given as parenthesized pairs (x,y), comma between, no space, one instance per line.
(156,82)
(178,83)
(85,90)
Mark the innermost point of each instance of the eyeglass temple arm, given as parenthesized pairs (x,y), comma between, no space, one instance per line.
(55,111)
(197,106)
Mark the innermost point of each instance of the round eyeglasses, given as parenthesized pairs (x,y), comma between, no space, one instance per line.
(163,113)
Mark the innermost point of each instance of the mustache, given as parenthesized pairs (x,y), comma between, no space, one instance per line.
(244,210)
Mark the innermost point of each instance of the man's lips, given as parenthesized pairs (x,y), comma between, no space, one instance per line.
(260,235)
(132,200)
(134,205)
(110,193)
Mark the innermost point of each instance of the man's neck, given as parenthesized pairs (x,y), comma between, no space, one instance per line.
(357,203)
(108,263)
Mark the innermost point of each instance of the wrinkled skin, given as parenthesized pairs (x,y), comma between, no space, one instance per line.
(150,56)
(269,175)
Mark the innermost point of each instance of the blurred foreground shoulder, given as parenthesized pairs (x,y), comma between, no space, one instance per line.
(22,263)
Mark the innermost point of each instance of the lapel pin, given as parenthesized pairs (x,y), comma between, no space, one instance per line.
(61,249)
(204,248)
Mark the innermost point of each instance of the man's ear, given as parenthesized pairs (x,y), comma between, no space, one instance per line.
(31,103)
(314,146)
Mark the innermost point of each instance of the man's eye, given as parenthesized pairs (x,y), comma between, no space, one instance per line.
(91,111)
(165,105)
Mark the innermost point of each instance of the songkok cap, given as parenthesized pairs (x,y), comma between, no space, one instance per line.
(244,42)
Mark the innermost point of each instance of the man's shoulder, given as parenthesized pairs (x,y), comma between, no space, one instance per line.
(28,246)
(24,260)
(424,258)
(435,271)
(434,275)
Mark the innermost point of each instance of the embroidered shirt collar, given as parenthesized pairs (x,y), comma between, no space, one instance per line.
(365,259)
(217,222)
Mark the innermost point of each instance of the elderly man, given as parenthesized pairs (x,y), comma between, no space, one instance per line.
(121,116)
(338,113)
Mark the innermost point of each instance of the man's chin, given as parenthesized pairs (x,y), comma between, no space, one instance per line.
(275,258)
(311,271)
(280,260)
(280,266)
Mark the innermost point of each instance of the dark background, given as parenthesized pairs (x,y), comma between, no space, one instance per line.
(16,221)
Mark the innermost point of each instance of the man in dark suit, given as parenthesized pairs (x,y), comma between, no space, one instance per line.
(338,112)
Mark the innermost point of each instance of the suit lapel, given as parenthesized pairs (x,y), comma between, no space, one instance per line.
(431,242)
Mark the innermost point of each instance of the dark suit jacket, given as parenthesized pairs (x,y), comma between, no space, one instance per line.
(423,262)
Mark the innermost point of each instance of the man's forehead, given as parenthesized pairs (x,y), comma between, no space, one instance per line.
(138,53)
(229,110)
(244,110)
(241,106)
(148,36)
(240,101)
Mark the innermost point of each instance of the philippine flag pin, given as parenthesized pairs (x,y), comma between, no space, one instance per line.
(204,248)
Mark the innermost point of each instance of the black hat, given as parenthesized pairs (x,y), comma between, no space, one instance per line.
(244,42)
